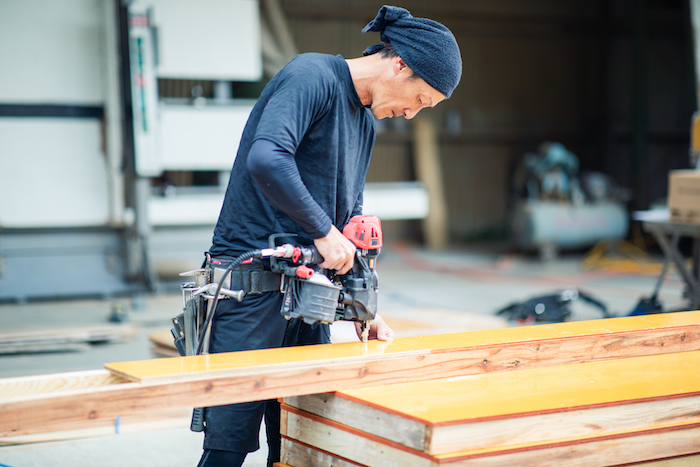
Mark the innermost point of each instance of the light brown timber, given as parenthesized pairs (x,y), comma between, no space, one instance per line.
(541,404)
(134,423)
(428,357)
(612,449)
(298,454)
(62,339)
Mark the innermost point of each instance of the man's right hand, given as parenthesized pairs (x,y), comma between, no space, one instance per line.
(338,252)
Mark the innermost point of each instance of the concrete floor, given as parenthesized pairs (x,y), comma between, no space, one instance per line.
(421,293)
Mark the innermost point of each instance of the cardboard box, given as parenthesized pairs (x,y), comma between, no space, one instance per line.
(684,196)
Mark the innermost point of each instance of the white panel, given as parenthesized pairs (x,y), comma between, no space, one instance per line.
(49,51)
(388,201)
(53,173)
(207,39)
(393,201)
(201,138)
(201,209)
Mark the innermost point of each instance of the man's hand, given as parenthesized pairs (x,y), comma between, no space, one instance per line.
(377,330)
(338,252)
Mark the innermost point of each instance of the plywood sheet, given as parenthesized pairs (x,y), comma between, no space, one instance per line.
(617,448)
(262,360)
(610,338)
(299,454)
(506,408)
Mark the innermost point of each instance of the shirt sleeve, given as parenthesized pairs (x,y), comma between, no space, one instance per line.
(301,97)
(277,176)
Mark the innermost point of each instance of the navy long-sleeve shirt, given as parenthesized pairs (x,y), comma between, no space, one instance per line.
(302,160)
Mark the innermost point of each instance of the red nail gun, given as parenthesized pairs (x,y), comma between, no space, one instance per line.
(350,297)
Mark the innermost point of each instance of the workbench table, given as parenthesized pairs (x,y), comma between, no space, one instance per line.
(667,234)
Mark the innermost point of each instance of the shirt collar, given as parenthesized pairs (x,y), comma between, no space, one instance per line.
(354,102)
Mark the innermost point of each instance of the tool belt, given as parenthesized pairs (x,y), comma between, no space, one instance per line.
(252,278)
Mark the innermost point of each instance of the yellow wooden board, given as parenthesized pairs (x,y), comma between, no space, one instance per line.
(537,390)
(179,367)
(260,375)
(556,331)
(502,409)
(262,360)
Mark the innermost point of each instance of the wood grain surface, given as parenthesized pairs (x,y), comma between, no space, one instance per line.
(258,375)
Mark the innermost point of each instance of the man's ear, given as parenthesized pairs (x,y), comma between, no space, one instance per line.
(399,65)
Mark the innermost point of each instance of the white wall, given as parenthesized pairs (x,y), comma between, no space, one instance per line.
(53,173)
(54,170)
(206,39)
(49,51)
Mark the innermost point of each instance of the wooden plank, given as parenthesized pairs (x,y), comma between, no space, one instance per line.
(159,351)
(499,409)
(679,461)
(71,339)
(484,351)
(102,333)
(134,423)
(163,339)
(612,449)
(388,424)
(303,455)
(298,454)
(45,385)
(10,349)
(164,345)
(237,363)
(269,374)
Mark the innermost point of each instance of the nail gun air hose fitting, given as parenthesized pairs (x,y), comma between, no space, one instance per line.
(234,264)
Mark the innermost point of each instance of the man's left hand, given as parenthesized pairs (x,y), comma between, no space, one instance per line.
(377,330)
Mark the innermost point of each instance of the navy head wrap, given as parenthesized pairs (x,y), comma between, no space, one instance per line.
(427,47)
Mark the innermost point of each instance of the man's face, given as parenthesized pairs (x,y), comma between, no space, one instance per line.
(402,94)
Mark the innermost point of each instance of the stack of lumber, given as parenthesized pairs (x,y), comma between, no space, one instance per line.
(29,404)
(62,339)
(599,413)
(163,344)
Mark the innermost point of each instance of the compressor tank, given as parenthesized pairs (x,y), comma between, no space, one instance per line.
(551,224)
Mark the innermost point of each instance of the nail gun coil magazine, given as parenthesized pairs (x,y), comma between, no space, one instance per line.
(313,299)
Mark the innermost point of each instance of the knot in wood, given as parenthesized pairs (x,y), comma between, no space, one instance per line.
(363,372)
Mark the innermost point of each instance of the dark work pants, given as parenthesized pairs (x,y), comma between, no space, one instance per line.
(254,323)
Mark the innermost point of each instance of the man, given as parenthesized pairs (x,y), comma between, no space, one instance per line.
(300,169)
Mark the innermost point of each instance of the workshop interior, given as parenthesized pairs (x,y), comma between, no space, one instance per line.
(120,124)
(568,157)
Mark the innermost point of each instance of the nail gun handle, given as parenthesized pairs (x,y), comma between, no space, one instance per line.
(308,254)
